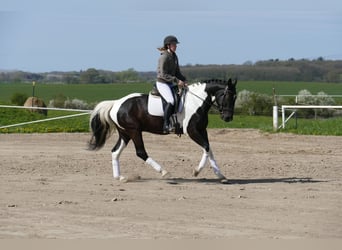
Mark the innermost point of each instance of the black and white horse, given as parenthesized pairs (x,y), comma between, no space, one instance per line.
(130,116)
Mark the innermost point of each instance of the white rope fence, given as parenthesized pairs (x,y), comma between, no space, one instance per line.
(33,107)
(84,112)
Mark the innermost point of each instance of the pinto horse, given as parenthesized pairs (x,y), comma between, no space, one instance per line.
(130,117)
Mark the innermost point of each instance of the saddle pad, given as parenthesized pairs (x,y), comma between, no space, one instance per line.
(155,105)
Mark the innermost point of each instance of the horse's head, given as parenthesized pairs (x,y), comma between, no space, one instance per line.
(225,100)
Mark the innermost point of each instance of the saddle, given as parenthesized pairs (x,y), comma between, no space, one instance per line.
(176,96)
(156,103)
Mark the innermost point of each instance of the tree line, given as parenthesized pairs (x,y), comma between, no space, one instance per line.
(318,70)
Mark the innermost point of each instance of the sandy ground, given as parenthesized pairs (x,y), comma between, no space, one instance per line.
(280,186)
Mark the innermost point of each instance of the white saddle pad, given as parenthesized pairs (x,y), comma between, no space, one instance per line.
(155,105)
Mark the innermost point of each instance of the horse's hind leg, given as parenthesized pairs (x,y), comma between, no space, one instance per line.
(116,151)
(141,153)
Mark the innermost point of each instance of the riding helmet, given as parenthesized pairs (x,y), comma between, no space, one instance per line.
(170,39)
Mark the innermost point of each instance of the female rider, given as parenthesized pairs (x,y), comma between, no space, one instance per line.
(168,73)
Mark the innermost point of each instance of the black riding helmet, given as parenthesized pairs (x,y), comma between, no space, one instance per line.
(170,39)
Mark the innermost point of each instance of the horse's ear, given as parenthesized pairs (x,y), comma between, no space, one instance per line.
(230,81)
(235,81)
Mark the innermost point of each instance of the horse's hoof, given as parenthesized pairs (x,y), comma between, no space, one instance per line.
(224,181)
(165,174)
(122,179)
(195,172)
(220,176)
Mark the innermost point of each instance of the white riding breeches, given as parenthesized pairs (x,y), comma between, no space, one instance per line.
(165,91)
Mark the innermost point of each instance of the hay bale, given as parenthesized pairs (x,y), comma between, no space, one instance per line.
(35,102)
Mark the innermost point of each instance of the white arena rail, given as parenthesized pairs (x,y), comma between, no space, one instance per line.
(83,112)
(295,107)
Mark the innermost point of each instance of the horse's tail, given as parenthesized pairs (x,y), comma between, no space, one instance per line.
(101,124)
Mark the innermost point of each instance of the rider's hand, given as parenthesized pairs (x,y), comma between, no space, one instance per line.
(181,84)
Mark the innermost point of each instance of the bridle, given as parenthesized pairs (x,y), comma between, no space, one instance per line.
(221,107)
(218,107)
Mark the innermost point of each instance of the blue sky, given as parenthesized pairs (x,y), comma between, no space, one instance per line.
(66,35)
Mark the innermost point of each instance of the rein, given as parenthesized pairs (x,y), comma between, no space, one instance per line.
(203,100)
(219,108)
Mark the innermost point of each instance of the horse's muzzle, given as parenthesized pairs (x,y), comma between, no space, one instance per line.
(226,118)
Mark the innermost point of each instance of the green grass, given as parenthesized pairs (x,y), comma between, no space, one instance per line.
(81,123)
(15,116)
(88,92)
(92,93)
(332,126)
(290,88)
(242,121)
(98,92)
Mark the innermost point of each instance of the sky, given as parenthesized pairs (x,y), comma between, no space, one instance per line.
(72,35)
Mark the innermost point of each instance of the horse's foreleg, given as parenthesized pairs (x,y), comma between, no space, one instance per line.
(202,163)
(116,151)
(213,164)
(201,138)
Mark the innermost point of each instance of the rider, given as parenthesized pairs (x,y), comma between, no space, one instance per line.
(168,72)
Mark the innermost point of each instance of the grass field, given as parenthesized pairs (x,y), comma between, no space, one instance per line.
(98,92)
(93,93)
(81,124)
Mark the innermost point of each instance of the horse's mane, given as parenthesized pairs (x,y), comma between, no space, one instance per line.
(211,81)
(215,81)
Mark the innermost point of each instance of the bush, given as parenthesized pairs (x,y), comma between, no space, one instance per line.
(19,99)
(75,104)
(253,103)
(306,98)
(323,99)
(60,101)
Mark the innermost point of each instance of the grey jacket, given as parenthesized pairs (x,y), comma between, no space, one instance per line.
(168,68)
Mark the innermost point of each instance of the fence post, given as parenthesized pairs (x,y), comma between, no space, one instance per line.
(275,118)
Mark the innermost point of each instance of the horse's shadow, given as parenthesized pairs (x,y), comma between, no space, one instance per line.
(290,180)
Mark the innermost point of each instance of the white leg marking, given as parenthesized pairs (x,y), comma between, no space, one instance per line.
(154,164)
(202,163)
(115,160)
(213,164)
(157,167)
(116,169)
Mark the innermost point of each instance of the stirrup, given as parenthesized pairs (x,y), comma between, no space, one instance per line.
(168,129)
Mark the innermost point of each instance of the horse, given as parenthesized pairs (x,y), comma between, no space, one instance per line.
(130,116)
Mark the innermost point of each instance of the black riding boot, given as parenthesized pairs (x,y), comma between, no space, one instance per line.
(168,110)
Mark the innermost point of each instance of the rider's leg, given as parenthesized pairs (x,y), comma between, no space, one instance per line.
(168,111)
(165,90)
